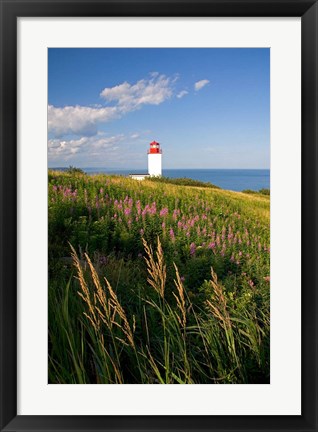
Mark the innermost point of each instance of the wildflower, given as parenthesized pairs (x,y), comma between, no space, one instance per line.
(142,232)
(192,248)
(138,205)
(211,245)
(176,212)
(164,211)
(171,233)
(153,209)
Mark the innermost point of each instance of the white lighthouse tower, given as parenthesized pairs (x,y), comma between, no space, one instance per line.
(155,159)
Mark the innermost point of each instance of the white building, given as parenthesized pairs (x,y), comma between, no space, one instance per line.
(139,176)
(155,159)
(154,163)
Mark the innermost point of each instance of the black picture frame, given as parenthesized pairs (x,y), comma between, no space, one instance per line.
(10,11)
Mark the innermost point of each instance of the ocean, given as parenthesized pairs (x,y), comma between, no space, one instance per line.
(231,179)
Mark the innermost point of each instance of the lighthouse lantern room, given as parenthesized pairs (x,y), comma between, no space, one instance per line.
(154,159)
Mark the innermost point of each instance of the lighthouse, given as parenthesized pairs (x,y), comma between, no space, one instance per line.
(154,159)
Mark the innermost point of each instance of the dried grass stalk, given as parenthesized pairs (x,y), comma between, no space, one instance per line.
(218,305)
(156,268)
(85,293)
(117,309)
(180,298)
(102,308)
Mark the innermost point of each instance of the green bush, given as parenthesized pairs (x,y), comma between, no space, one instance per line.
(183,181)
(73,170)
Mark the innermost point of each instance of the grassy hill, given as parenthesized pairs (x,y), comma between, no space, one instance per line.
(153,282)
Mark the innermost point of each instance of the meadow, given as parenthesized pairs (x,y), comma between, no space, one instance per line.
(156,283)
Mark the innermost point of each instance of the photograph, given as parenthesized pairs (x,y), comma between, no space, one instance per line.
(159,216)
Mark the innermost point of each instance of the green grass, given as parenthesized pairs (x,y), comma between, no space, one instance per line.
(136,300)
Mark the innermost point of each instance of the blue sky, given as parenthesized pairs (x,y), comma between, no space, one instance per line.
(209,108)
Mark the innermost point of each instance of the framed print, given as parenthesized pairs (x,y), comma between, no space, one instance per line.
(166,232)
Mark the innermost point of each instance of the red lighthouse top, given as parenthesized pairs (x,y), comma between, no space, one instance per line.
(154,148)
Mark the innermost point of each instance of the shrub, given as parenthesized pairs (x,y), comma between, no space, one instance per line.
(73,170)
(183,181)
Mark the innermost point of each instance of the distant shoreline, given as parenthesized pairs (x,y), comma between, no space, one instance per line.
(228,179)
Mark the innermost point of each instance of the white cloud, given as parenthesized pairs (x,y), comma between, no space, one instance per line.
(135,135)
(78,120)
(84,146)
(182,93)
(100,150)
(129,97)
(84,120)
(200,84)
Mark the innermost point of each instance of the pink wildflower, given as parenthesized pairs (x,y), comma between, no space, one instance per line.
(164,211)
(192,248)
